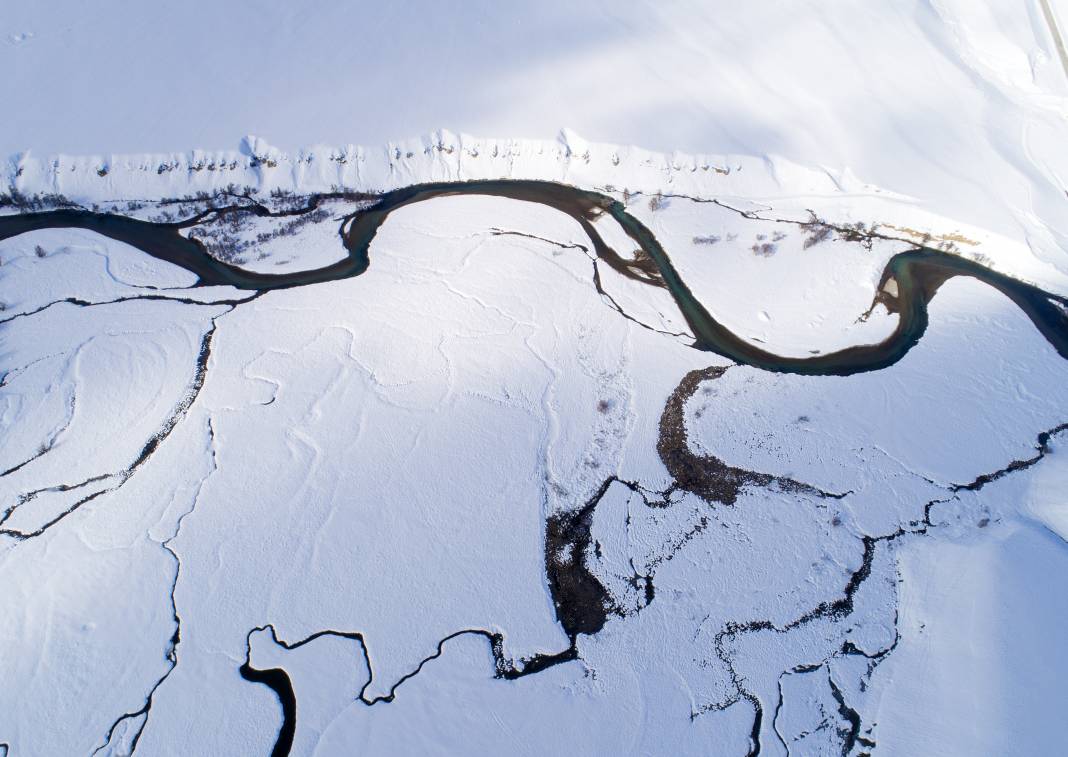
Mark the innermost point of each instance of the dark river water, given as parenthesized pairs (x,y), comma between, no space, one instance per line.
(918,273)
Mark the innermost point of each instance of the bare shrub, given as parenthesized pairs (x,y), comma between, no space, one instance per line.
(817,229)
(816,235)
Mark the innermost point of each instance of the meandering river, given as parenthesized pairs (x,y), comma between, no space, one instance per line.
(917,273)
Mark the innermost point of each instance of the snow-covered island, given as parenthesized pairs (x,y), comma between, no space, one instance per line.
(470,445)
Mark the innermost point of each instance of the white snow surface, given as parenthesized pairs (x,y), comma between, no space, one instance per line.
(957,103)
(1005,595)
(379,455)
(351,481)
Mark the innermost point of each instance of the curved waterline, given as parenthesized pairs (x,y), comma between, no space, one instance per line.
(918,273)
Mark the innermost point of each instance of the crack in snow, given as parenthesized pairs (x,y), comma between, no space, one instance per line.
(172,646)
(177,414)
(842,607)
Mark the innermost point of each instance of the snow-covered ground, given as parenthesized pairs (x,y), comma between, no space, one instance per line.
(378,457)
(982,623)
(486,497)
(955,102)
